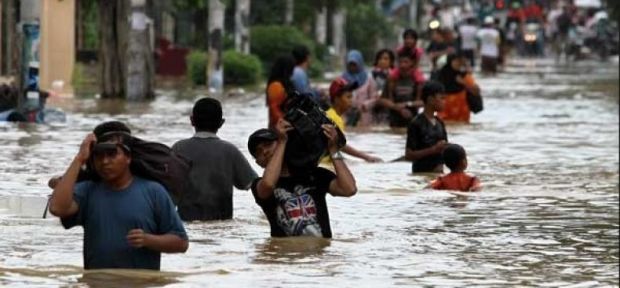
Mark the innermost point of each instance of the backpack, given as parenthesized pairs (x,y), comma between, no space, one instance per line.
(153,161)
(474,102)
(306,143)
(158,162)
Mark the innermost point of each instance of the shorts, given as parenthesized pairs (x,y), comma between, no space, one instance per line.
(489,64)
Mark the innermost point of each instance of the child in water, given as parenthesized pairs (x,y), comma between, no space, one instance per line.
(455,158)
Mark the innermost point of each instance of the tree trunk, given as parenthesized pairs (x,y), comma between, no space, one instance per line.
(113,33)
(413,13)
(140,70)
(338,36)
(321,25)
(215,72)
(290,8)
(242,20)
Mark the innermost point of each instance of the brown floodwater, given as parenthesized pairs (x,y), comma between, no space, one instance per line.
(545,148)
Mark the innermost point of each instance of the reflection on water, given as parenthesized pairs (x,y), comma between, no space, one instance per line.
(545,148)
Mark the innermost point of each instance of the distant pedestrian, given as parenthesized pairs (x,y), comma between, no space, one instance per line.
(426,134)
(489,46)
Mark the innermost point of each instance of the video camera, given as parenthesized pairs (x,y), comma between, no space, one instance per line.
(306,143)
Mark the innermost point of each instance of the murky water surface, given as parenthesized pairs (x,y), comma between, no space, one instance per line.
(546,149)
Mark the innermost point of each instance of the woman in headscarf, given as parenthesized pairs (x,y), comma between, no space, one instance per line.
(365,96)
(278,87)
(458,81)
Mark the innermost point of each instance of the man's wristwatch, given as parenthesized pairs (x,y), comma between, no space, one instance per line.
(336,156)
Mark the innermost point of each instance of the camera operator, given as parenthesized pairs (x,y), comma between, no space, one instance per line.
(294,202)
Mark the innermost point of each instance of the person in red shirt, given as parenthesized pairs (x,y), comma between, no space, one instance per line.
(455,158)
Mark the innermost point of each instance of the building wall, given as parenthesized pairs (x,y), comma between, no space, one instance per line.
(57,43)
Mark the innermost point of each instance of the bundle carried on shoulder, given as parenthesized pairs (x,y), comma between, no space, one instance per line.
(150,160)
(306,143)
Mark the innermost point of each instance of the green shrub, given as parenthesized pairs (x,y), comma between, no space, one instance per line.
(197,67)
(269,42)
(241,69)
(316,69)
(365,27)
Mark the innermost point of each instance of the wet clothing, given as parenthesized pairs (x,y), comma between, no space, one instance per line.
(301,83)
(467,34)
(276,95)
(468,43)
(417,51)
(456,107)
(333,115)
(458,181)
(297,206)
(436,47)
(455,102)
(489,64)
(217,166)
(405,90)
(381,77)
(422,134)
(107,216)
(489,42)
(365,96)
(361,76)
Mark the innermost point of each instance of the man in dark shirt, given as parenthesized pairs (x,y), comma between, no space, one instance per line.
(426,134)
(128,221)
(295,203)
(217,166)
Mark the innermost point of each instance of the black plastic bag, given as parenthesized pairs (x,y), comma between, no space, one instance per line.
(306,143)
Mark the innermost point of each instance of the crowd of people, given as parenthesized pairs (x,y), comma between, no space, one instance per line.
(130,216)
(531,28)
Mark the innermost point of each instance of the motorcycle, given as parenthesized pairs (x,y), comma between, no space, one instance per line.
(532,40)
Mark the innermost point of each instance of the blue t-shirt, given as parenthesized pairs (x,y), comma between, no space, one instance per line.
(301,83)
(107,216)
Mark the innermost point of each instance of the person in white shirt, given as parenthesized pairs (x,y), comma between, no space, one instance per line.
(467,35)
(489,46)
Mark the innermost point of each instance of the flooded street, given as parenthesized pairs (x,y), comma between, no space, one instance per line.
(545,149)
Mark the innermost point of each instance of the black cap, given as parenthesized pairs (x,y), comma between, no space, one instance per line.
(260,136)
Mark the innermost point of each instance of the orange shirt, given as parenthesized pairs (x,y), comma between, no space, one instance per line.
(455,107)
(276,94)
(456,181)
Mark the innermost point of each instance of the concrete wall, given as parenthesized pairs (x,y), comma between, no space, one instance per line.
(57,44)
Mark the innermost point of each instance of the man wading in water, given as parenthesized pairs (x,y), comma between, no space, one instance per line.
(294,203)
(128,221)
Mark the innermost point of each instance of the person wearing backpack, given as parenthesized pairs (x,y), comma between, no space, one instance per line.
(128,220)
(217,166)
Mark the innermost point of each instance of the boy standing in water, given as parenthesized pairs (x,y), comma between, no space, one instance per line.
(426,134)
(456,159)
(294,203)
(341,95)
(402,95)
